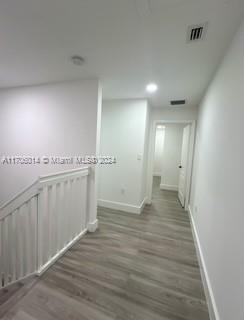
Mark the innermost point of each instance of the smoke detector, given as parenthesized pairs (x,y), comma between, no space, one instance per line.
(78,60)
(197,32)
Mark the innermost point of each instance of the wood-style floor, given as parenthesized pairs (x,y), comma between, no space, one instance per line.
(134,267)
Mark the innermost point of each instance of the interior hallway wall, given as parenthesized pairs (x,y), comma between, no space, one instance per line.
(124,134)
(49,120)
(143,199)
(218,183)
(174,113)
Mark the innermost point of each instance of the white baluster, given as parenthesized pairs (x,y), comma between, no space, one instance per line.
(40,223)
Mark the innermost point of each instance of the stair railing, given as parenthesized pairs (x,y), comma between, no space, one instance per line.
(39,224)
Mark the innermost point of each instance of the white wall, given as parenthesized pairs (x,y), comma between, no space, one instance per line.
(124,135)
(145,157)
(218,183)
(159,147)
(174,113)
(50,120)
(171,156)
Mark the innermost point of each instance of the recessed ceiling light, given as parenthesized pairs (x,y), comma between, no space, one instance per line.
(78,60)
(151,87)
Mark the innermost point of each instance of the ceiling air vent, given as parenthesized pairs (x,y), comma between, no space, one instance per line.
(197,32)
(177,102)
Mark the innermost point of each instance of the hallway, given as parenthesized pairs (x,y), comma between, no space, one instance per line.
(133,267)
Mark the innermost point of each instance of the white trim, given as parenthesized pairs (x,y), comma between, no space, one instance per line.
(37,196)
(142,206)
(51,261)
(212,307)
(60,253)
(168,187)
(92,226)
(31,190)
(31,275)
(190,161)
(157,174)
(123,206)
(63,173)
(34,188)
(18,201)
(62,176)
(119,206)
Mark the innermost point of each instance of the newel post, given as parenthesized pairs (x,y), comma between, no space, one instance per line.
(92,222)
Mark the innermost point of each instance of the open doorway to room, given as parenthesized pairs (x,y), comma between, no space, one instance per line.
(159,151)
(171,156)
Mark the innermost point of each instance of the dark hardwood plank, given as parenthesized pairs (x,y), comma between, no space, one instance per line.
(136,267)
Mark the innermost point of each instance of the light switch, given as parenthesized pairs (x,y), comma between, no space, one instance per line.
(139,157)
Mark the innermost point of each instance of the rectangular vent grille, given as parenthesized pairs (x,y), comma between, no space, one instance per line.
(197,32)
(177,102)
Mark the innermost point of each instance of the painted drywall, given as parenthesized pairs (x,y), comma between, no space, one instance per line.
(171,156)
(159,146)
(174,113)
(145,158)
(217,193)
(50,120)
(124,134)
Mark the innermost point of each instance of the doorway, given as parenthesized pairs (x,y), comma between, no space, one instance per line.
(171,157)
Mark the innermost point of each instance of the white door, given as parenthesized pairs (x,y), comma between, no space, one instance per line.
(183,165)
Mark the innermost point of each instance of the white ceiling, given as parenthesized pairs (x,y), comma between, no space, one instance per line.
(126,43)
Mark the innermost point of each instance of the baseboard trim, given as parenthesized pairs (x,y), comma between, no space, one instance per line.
(60,253)
(92,226)
(212,307)
(142,206)
(27,283)
(23,279)
(168,187)
(123,206)
(157,174)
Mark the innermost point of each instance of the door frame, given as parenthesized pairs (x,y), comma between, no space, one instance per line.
(151,155)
